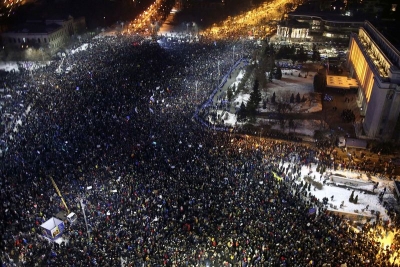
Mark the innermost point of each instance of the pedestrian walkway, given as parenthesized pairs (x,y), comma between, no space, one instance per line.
(227,82)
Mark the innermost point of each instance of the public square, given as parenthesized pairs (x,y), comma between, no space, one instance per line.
(118,123)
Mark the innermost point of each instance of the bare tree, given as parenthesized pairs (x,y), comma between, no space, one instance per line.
(293,125)
(314,97)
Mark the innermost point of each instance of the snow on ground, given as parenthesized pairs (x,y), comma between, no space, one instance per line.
(9,66)
(342,194)
(241,98)
(315,107)
(83,47)
(239,77)
(28,65)
(230,119)
(290,84)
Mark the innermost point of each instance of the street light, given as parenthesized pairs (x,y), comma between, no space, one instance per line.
(218,71)
(233,54)
(242,46)
(196,30)
(84,216)
(230,132)
(196,83)
(42,51)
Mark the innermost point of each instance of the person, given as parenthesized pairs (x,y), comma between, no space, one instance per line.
(153,183)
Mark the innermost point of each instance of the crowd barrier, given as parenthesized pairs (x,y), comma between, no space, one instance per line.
(212,95)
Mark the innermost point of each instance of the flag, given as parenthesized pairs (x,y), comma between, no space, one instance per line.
(151,110)
(276,176)
(312,211)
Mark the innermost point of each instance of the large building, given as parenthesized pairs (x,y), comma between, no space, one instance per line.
(375,62)
(50,34)
(318,26)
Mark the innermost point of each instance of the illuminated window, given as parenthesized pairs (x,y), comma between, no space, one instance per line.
(362,70)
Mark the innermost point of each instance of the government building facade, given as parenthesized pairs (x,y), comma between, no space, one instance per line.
(50,34)
(375,62)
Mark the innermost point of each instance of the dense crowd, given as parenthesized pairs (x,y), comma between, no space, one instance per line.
(348,115)
(159,187)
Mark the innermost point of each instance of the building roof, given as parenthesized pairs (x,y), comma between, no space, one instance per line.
(50,17)
(35,28)
(294,24)
(357,143)
(341,82)
(328,16)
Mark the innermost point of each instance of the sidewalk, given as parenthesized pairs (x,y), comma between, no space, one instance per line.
(229,81)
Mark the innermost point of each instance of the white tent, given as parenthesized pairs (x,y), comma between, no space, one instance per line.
(52,228)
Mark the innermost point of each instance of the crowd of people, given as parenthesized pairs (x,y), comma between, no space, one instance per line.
(348,115)
(159,187)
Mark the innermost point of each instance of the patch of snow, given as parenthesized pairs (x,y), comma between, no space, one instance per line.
(83,47)
(342,194)
(28,65)
(241,98)
(231,119)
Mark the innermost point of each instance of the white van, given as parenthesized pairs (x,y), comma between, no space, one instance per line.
(72,217)
(341,141)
